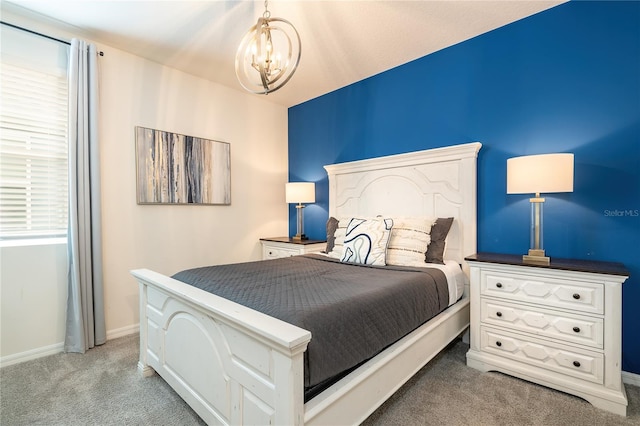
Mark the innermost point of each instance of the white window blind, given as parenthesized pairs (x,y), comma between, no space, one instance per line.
(33,149)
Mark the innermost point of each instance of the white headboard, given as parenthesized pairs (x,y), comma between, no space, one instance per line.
(438,182)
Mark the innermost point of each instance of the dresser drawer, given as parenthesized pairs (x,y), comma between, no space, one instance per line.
(545,291)
(580,329)
(583,364)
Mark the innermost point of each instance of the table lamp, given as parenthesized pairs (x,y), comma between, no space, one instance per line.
(539,174)
(300,192)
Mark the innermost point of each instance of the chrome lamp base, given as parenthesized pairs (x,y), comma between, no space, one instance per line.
(536,252)
(300,224)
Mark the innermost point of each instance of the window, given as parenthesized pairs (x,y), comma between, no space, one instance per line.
(33,136)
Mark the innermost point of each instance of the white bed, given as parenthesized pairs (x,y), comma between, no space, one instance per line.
(234,365)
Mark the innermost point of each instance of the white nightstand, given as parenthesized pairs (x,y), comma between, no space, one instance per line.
(557,325)
(273,248)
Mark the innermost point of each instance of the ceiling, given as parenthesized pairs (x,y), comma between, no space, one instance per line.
(342,41)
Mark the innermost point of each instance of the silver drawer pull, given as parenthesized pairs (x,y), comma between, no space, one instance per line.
(498,314)
(499,285)
(576,363)
(576,296)
(576,329)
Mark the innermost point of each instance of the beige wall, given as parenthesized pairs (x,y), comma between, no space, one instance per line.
(33,295)
(138,92)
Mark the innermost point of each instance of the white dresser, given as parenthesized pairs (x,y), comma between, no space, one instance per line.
(559,325)
(273,248)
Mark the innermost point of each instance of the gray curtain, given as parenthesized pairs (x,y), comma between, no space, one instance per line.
(85,325)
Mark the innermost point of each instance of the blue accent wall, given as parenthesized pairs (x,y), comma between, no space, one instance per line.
(564,80)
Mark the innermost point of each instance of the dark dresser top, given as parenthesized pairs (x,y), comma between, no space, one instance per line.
(612,268)
(292,240)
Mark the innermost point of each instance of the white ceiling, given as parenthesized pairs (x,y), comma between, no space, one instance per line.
(342,41)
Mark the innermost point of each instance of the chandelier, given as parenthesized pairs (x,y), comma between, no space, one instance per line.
(268,55)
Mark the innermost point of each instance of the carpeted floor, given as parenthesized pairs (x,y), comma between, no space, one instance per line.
(103,387)
(447,392)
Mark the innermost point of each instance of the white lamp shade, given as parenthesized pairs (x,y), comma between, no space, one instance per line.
(540,174)
(300,192)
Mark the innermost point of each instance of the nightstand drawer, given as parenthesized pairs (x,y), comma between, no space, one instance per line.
(277,252)
(544,291)
(580,329)
(582,364)
(274,248)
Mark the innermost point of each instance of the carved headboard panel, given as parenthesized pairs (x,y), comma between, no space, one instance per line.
(438,182)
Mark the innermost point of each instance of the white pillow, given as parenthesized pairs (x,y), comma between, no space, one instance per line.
(409,240)
(366,240)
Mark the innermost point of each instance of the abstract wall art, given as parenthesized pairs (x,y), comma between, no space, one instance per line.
(179,169)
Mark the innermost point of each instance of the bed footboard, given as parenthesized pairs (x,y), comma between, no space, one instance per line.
(231,364)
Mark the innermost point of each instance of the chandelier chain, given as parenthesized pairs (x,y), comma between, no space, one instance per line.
(266,14)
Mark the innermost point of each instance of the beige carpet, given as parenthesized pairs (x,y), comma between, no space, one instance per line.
(103,387)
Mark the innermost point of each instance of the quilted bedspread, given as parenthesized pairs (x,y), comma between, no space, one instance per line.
(352,311)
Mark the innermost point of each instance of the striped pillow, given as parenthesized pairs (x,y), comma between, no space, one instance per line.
(409,240)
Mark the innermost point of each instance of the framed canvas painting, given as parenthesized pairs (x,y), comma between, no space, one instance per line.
(179,169)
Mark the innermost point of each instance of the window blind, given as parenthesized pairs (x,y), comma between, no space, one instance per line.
(33,153)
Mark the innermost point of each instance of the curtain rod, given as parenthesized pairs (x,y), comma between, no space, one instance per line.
(101,53)
(34,32)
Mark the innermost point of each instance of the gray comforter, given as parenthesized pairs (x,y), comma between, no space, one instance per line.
(352,311)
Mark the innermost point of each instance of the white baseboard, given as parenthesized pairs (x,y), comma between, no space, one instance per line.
(631,378)
(57,348)
(8,360)
(124,331)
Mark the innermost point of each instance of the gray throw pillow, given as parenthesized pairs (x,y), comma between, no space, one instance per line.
(332,225)
(439,231)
